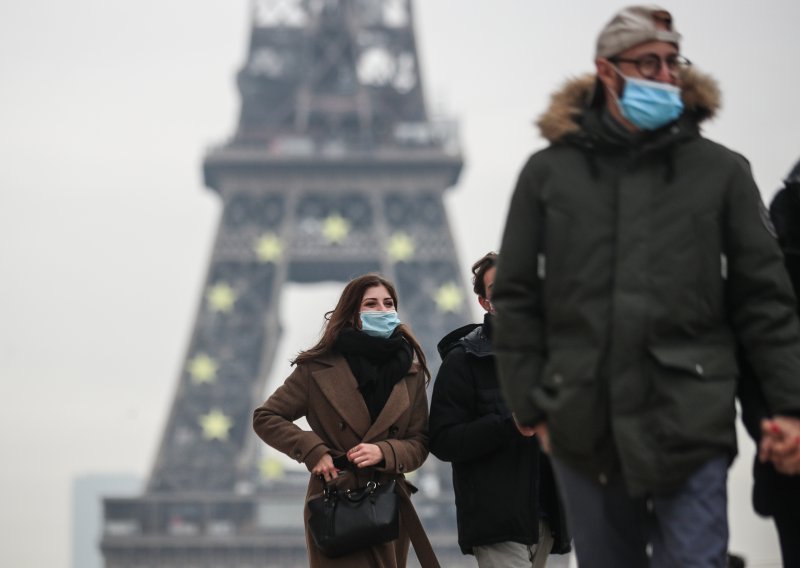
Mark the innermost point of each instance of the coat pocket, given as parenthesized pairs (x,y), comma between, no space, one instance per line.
(703,362)
(694,393)
(572,397)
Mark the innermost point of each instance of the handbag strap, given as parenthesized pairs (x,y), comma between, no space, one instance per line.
(416,532)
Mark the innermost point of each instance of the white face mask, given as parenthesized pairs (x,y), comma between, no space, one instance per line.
(649,105)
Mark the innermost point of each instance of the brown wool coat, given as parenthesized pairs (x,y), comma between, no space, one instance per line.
(326,393)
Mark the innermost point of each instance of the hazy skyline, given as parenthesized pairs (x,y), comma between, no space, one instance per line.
(106,229)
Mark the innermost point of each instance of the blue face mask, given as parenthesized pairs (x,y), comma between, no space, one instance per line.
(648,104)
(379,324)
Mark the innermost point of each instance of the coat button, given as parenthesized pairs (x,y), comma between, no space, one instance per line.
(401,467)
(342,425)
(394,430)
(602,479)
(699,368)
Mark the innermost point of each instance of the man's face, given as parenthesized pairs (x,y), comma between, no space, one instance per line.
(653,61)
(488,283)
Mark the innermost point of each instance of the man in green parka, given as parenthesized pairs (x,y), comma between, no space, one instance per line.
(636,257)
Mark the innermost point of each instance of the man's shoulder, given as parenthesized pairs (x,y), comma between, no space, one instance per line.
(453,339)
(717,158)
(545,156)
(555,157)
(459,366)
(455,354)
(717,151)
(454,374)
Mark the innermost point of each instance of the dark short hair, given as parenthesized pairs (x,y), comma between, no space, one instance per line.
(479,269)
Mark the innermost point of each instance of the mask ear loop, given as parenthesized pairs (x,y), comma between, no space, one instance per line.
(614,95)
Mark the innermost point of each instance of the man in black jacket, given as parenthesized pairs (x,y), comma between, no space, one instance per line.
(637,259)
(506,499)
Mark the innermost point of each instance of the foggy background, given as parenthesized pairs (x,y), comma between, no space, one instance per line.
(106,109)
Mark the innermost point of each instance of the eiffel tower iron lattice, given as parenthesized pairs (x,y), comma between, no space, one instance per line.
(334,170)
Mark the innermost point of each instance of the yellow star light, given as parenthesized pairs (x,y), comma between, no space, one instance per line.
(271,468)
(401,247)
(221,297)
(268,247)
(449,297)
(335,228)
(202,368)
(215,425)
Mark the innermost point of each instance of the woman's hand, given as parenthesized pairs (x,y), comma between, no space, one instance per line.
(365,455)
(325,468)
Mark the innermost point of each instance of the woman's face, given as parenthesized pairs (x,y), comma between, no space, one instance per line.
(377,299)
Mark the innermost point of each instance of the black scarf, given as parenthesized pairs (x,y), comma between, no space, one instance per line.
(377,364)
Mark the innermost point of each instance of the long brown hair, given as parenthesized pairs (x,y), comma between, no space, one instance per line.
(346,314)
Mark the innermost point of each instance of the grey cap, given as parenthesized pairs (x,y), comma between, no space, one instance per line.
(634,25)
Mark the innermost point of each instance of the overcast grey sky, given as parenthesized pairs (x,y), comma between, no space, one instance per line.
(106,108)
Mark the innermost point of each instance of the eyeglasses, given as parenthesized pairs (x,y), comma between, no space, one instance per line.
(649,66)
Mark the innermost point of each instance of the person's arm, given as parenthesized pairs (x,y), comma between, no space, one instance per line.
(753,403)
(274,420)
(516,296)
(458,433)
(407,452)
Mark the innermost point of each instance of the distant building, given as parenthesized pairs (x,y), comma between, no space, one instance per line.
(88,492)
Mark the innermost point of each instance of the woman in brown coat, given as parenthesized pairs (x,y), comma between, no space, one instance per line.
(362,390)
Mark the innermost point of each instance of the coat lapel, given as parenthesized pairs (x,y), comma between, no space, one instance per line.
(339,386)
(398,403)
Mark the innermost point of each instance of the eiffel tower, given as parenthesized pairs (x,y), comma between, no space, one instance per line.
(334,170)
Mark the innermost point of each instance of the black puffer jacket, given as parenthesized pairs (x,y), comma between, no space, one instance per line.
(774,492)
(785,213)
(498,474)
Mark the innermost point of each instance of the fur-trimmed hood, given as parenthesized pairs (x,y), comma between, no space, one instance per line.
(700,93)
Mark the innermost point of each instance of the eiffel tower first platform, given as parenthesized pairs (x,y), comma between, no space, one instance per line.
(334,170)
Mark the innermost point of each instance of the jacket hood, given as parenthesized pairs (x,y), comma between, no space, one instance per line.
(452,339)
(700,93)
(474,338)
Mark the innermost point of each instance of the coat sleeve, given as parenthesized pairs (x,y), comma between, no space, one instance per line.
(273,421)
(458,432)
(516,296)
(754,406)
(407,453)
(761,299)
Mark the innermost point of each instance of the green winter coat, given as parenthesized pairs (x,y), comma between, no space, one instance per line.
(628,275)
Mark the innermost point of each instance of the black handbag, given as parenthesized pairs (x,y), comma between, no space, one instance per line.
(342,522)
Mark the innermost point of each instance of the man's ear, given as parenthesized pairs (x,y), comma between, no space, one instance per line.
(606,73)
(485,304)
